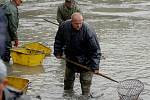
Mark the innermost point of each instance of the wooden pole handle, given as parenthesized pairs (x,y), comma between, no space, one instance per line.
(85,67)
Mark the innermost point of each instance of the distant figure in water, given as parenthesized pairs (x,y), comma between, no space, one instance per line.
(66,9)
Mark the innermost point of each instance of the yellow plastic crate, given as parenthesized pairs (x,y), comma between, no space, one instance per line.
(27,57)
(18,84)
(39,47)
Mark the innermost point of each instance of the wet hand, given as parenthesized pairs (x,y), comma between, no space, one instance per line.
(58,57)
(96,71)
(16,42)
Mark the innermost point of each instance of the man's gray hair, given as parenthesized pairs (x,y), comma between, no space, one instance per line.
(76,14)
(3,70)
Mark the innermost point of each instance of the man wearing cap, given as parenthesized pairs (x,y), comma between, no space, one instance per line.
(65,10)
(11,11)
(5,92)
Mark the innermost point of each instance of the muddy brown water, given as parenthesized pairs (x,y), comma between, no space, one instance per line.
(123,28)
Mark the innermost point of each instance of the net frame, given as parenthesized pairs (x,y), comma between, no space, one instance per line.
(130,89)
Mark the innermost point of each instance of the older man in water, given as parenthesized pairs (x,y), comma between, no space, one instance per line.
(78,41)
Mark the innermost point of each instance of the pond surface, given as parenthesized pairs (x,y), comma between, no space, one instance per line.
(123,28)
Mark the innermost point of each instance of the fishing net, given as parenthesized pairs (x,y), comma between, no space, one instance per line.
(130,89)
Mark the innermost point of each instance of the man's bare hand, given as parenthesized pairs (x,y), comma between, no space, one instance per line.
(96,71)
(58,57)
(16,43)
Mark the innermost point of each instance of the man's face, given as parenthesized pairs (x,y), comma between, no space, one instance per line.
(69,4)
(77,23)
(18,2)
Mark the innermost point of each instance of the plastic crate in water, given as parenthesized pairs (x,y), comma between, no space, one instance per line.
(18,84)
(39,47)
(27,57)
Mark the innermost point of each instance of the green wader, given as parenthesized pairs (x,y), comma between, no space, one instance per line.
(85,78)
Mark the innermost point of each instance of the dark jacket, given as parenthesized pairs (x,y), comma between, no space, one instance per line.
(82,45)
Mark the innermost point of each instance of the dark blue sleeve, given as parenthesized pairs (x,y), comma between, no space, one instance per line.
(59,42)
(93,49)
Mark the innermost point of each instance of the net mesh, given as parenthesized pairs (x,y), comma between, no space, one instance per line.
(130,89)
